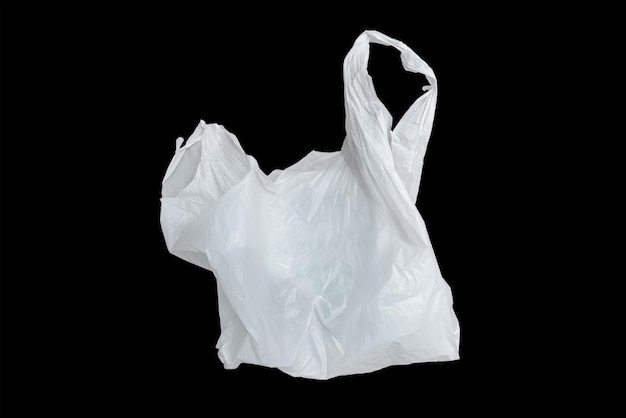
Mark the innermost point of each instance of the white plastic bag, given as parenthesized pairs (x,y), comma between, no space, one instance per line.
(324,268)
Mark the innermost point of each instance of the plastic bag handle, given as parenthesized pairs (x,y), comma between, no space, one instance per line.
(367,148)
(362,102)
(357,58)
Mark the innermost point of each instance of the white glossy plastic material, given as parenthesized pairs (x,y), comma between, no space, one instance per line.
(324,268)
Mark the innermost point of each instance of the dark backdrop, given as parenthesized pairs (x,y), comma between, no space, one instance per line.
(522,194)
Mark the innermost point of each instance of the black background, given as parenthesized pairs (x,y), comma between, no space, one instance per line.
(522,194)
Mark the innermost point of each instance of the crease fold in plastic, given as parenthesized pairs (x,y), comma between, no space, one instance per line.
(324,268)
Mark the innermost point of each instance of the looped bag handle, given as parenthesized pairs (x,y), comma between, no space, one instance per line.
(383,159)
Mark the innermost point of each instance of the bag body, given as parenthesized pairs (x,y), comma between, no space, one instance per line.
(324,268)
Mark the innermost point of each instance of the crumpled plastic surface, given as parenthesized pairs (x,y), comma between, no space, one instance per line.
(324,268)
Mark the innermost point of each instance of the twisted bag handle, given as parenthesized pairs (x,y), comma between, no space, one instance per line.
(387,162)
